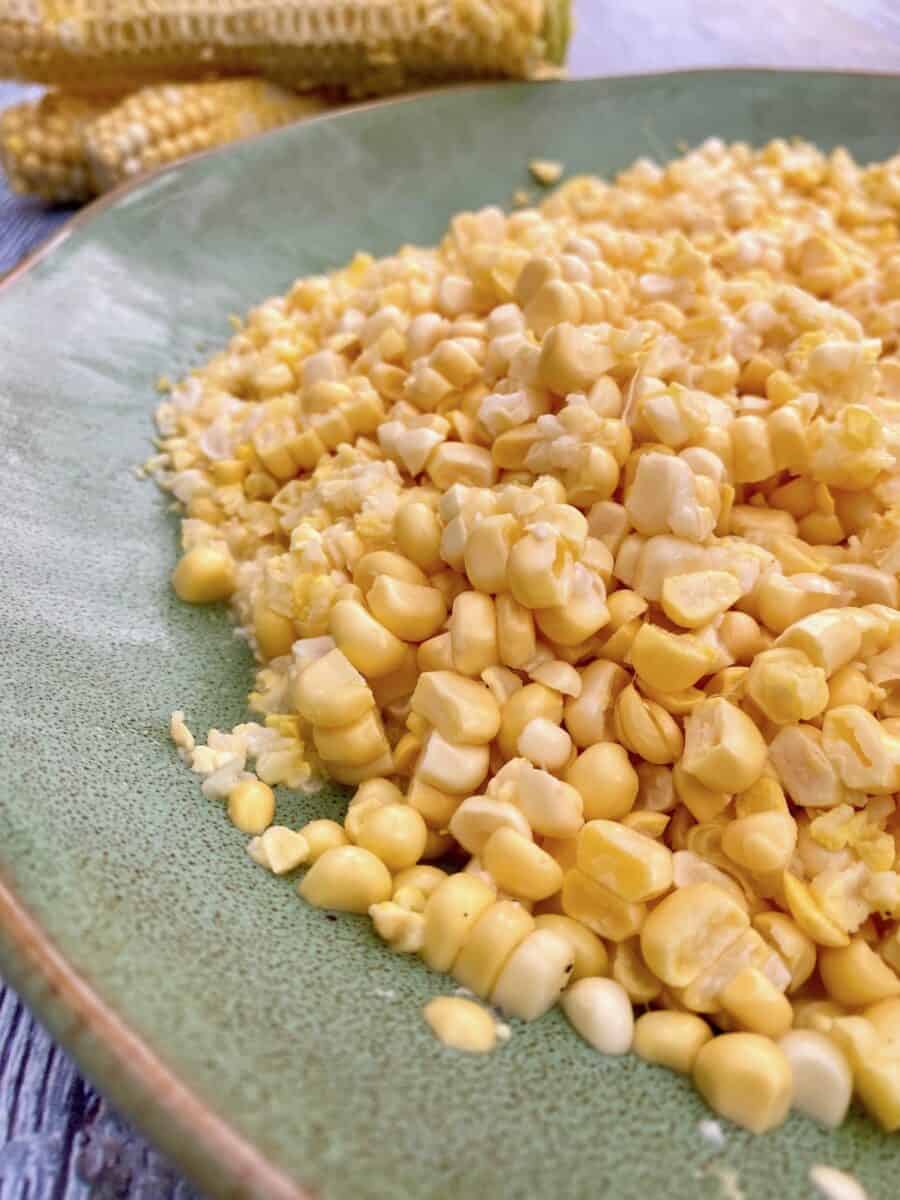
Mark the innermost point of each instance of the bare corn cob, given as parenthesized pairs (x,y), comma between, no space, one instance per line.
(42,147)
(158,125)
(358,46)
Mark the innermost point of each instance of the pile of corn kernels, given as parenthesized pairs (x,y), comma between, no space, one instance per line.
(572,546)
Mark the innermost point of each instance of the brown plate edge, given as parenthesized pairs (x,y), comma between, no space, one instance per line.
(205,1146)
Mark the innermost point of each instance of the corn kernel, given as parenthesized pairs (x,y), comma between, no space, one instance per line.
(688,930)
(671,1039)
(606,781)
(495,935)
(600,909)
(322,835)
(348,879)
(855,975)
(251,806)
(534,975)
(450,912)
(722,747)
(600,1011)
(204,575)
(520,867)
(461,1024)
(821,1080)
(590,953)
(633,866)
(746,1078)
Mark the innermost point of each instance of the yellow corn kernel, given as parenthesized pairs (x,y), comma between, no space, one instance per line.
(746,1078)
(606,780)
(591,958)
(633,866)
(855,976)
(369,567)
(402,928)
(372,794)
(588,716)
(473,633)
(545,745)
(436,807)
(829,639)
(420,878)
(450,913)
(461,1024)
(409,610)
(702,803)
(452,767)
(459,708)
(491,942)
(525,705)
(863,756)
(695,599)
(487,551)
(516,641)
(762,841)
(671,1039)
(551,807)
(600,1011)
(787,687)
(534,975)
(322,835)
(794,947)
(348,879)
(354,745)
(411,899)
(520,867)
(868,584)
(274,633)
(808,914)
(478,817)
(884,1016)
(601,910)
(435,654)
(629,969)
(417,531)
(878,1085)
(331,692)
(722,746)
(822,1083)
(849,685)
(572,359)
(646,729)
(371,648)
(688,930)
(395,833)
(755,1004)
(741,636)
(667,661)
(204,574)
(251,806)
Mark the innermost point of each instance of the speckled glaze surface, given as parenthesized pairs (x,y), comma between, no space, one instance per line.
(273,1050)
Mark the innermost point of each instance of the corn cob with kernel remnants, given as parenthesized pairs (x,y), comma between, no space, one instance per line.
(42,146)
(158,125)
(66,148)
(357,46)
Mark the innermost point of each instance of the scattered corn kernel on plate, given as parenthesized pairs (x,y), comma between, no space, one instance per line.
(605,656)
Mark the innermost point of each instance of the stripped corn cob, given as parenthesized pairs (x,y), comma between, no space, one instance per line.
(160,124)
(42,147)
(358,46)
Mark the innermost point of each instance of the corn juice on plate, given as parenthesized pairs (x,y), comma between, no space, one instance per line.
(563,541)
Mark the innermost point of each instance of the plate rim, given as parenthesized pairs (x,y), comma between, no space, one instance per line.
(152,1094)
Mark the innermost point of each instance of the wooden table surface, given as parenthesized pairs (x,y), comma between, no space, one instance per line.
(59,1140)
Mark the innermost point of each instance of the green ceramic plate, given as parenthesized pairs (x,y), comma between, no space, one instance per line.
(268,1047)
